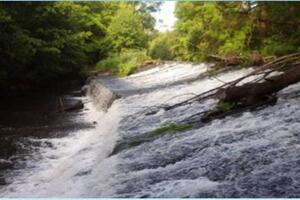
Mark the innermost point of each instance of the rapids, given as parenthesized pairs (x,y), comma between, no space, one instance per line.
(253,154)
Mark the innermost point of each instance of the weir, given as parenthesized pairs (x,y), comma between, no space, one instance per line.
(253,154)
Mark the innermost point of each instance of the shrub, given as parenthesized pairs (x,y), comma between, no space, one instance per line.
(275,46)
(109,64)
(162,46)
(124,63)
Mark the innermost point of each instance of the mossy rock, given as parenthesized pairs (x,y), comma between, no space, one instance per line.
(171,128)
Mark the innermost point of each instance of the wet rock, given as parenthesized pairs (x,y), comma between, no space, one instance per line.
(5,164)
(77,106)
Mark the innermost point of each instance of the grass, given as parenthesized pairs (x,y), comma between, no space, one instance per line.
(108,64)
(124,63)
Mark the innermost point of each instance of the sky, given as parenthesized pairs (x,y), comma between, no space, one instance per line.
(166,16)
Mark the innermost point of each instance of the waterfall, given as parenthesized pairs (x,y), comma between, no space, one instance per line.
(59,169)
(252,154)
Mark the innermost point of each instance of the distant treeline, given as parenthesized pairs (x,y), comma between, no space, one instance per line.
(237,28)
(42,42)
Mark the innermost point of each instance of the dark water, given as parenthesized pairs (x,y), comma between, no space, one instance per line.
(34,115)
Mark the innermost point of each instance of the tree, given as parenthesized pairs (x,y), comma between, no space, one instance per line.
(162,46)
(44,41)
(211,28)
(280,27)
(238,28)
(126,29)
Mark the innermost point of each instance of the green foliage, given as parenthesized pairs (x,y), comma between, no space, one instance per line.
(236,28)
(128,34)
(123,63)
(210,28)
(130,61)
(128,67)
(126,29)
(274,46)
(144,10)
(43,42)
(171,127)
(109,64)
(162,46)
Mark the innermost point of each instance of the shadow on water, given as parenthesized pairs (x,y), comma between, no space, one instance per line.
(35,115)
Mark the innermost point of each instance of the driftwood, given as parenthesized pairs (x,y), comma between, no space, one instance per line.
(254,94)
(227,60)
(148,64)
(255,59)
(275,65)
(151,62)
(251,92)
(261,90)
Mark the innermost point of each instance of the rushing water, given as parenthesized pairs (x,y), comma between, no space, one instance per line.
(253,154)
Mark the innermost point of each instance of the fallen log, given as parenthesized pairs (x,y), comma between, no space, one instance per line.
(250,93)
(275,65)
(259,92)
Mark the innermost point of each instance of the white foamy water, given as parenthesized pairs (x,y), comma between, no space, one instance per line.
(252,154)
(61,169)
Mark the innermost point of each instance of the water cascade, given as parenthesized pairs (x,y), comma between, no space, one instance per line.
(252,154)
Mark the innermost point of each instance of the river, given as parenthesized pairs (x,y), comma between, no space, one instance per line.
(90,152)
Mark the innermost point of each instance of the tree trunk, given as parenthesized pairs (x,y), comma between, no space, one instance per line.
(263,19)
